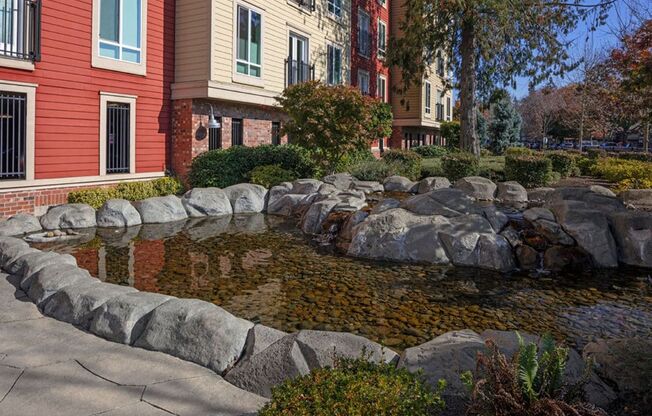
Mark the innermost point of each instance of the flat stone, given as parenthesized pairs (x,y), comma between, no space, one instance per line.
(203,202)
(477,187)
(209,395)
(76,304)
(246,197)
(583,198)
(399,184)
(286,205)
(497,218)
(306,186)
(123,319)
(448,202)
(140,409)
(161,209)
(536,213)
(8,376)
(368,187)
(196,331)
(430,184)
(349,203)
(386,204)
(510,192)
(341,181)
(69,216)
(118,213)
(20,224)
(633,233)
(328,189)
(598,189)
(637,198)
(50,279)
(64,389)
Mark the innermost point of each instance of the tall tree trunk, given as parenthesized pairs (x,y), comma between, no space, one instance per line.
(646,138)
(469,136)
(581,144)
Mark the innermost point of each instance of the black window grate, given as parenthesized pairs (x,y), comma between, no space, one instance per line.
(118,140)
(276,133)
(215,137)
(20,29)
(236,132)
(13,129)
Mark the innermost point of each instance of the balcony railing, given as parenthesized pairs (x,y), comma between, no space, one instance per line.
(298,72)
(308,4)
(20,29)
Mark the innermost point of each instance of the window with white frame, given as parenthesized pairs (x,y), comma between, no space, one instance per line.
(335,8)
(428,97)
(17,115)
(363,81)
(382,38)
(117,134)
(439,107)
(334,64)
(382,88)
(120,30)
(364,33)
(449,116)
(249,42)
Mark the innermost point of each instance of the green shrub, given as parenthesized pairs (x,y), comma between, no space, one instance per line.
(407,162)
(431,151)
(496,175)
(431,167)
(562,163)
(222,168)
(595,153)
(529,171)
(628,174)
(271,175)
(451,132)
(641,156)
(355,388)
(484,152)
(585,165)
(518,151)
(375,170)
(131,191)
(460,164)
(349,160)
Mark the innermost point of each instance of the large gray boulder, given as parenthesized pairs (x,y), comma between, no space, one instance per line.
(206,202)
(553,232)
(12,253)
(637,198)
(350,201)
(584,198)
(29,264)
(196,331)
(277,192)
(123,318)
(430,184)
(20,224)
(633,233)
(259,338)
(511,192)
(50,279)
(539,194)
(287,205)
(399,184)
(69,216)
(341,181)
(399,235)
(448,202)
(386,204)
(536,213)
(246,197)
(161,209)
(368,187)
(314,217)
(118,213)
(497,218)
(6,242)
(76,304)
(477,187)
(306,186)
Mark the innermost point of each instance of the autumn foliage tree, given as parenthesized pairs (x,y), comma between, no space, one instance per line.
(333,121)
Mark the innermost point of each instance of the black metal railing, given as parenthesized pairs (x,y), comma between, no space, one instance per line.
(13,142)
(276,133)
(298,72)
(20,29)
(215,137)
(236,132)
(118,138)
(308,4)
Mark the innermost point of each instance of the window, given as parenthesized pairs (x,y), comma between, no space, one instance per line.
(335,8)
(120,30)
(299,68)
(382,38)
(215,136)
(382,88)
(439,107)
(428,97)
(276,133)
(13,135)
(249,42)
(382,2)
(236,132)
(19,29)
(117,134)
(363,81)
(334,65)
(364,33)
(448,108)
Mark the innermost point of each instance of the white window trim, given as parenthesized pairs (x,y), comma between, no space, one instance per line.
(106,97)
(362,72)
(30,107)
(342,77)
(428,104)
(98,61)
(246,78)
(382,52)
(332,15)
(383,97)
(383,3)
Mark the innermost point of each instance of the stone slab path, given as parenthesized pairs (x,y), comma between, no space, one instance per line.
(48,367)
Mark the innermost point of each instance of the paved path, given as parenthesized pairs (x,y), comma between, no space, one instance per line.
(51,368)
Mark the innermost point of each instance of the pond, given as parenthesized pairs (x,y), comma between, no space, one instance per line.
(264,269)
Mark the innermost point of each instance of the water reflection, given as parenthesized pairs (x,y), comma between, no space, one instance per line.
(261,268)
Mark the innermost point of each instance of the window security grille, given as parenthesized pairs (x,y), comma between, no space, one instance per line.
(118,140)
(13,127)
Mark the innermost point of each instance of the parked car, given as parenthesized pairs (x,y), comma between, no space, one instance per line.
(609,145)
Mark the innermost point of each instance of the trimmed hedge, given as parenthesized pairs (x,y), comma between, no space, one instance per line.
(459,165)
(529,171)
(562,163)
(222,168)
(518,151)
(375,170)
(271,175)
(354,158)
(407,163)
(131,191)
(355,388)
(628,174)
(594,153)
(431,151)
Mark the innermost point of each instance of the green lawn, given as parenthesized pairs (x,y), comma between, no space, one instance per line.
(491,166)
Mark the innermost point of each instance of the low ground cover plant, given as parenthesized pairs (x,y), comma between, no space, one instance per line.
(627,174)
(532,383)
(530,171)
(271,175)
(355,387)
(460,164)
(131,191)
(222,168)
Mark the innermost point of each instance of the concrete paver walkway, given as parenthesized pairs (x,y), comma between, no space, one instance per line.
(51,368)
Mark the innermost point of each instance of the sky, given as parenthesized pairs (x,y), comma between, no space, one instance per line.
(601,40)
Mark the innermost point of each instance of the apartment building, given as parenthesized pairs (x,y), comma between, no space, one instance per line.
(419,111)
(233,57)
(369,40)
(84,96)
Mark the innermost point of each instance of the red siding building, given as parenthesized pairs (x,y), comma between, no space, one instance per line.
(84,96)
(369,38)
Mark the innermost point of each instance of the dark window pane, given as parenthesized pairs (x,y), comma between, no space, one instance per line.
(13,125)
(236,132)
(118,132)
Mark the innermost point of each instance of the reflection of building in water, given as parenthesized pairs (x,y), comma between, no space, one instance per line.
(255,258)
(137,263)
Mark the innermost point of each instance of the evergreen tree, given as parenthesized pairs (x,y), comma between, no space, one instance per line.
(504,127)
(482,128)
